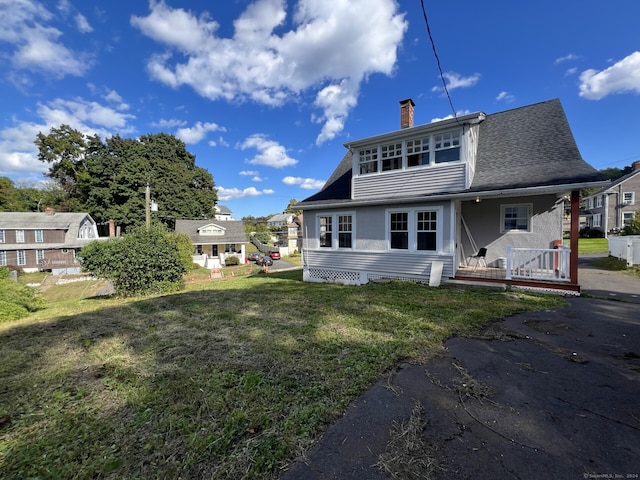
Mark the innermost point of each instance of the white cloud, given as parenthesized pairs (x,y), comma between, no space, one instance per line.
(226,194)
(455,80)
(505,96)
(623,76)
(169,123)
(330,49)
(82,24)
(306,183)
(459,113)
(37,46)
(197,132)
(567,58)
(270,153)
(249,173)
(18,151)
(570,71)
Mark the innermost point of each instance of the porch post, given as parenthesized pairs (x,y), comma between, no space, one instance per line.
(573,238)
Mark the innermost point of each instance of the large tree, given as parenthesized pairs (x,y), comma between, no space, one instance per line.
(108,179)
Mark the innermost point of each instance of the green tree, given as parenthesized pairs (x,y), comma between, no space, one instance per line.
(10,200)
(141,262)
(291,208)
(108,179)
(633,228)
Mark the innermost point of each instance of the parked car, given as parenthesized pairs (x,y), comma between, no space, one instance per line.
(275,255)
(264,261)
(253,256)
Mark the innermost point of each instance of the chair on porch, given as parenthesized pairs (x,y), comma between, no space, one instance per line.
(479,258)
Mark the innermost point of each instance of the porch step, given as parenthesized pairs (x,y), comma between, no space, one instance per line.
(476,284)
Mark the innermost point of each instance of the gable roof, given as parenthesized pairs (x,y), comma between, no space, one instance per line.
(530,146)
(233,231)
(42,221)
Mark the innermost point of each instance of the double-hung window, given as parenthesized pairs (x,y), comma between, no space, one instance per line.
(3,258)
(22,258)
(19,236)
(516,218)
(368,160)
(627,218)
(628,198)
(326,230)
(336,230)
(39,236)
(39,256)
(599,201)
(391,156)
(416,229)
(418,152)
(345,231)
(399,231)
(2,238)
(447,147)
(597,220)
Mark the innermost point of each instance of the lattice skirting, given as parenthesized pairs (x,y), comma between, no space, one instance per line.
(354,278)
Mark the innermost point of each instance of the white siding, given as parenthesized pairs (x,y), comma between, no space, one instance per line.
(360,267)
(410,182)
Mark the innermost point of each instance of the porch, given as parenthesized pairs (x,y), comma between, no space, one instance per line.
(536,268)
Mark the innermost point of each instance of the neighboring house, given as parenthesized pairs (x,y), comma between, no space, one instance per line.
(425,198)
(223,213)
(611,208)
(44,241)
(289,237)
(280,220)
(214,241)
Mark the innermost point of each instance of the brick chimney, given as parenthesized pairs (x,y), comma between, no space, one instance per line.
(49,211)
(635,165)
(406,113)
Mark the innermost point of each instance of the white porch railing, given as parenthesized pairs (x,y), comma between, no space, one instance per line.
(548,264)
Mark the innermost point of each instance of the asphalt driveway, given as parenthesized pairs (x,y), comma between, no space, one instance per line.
(551,394)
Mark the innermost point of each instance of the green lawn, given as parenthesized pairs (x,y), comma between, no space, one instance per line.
(233,378)
(592,245)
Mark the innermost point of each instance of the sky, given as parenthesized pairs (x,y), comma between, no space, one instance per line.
(265,93)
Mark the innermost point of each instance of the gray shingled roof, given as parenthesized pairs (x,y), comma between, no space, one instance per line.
(530,146)
(234,231)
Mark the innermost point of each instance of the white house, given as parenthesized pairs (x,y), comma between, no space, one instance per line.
(425,198)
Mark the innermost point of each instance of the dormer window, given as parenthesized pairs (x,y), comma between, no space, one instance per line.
(211,229)
(426,150)
(447,147)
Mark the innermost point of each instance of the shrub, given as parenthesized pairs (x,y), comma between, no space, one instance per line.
(16,300)
(142,262)
(231,261)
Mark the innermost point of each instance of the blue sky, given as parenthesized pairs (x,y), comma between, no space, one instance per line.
(266,92)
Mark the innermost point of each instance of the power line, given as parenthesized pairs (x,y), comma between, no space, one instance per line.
(435,53)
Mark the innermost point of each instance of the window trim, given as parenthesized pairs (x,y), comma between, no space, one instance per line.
(335,229)
(631,201)
(20,236)
(630,217)
(2,236)
(596,220)
(39,235)
(528,206)
(3,258)
(19,254)
(412,227)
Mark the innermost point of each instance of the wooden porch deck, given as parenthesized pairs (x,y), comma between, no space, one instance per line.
(498,275)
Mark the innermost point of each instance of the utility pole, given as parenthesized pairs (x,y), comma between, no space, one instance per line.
(147,206)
